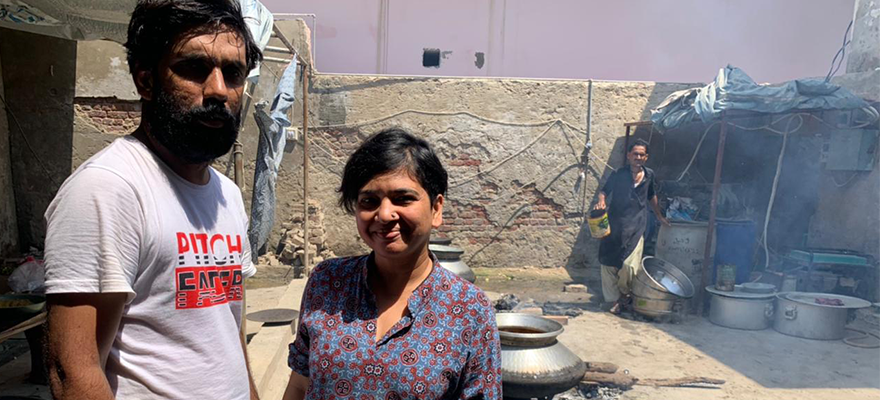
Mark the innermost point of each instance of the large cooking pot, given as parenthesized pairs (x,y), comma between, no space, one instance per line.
(658,286)
(450,258)
(800,314)
(741,309)
(533,363)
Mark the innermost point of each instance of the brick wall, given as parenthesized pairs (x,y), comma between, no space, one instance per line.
(109,114)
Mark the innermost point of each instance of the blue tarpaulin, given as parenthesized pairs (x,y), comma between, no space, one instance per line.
(733,89)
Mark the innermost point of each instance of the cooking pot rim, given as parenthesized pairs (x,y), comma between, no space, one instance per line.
(555,331)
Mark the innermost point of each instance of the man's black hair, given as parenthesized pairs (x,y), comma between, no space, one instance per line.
(157,25)
(639,142)
(388,151)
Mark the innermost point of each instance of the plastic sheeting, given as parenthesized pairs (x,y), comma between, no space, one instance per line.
(733,89)
(269,154)
(106,19)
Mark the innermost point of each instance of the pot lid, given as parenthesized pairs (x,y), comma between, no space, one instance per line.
(439,248)
(755,287)
(440,241)
(739,293)
(825,300)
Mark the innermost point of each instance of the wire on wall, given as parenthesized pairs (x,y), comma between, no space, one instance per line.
(28,143)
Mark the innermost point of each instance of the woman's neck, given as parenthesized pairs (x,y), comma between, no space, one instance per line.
(396,275)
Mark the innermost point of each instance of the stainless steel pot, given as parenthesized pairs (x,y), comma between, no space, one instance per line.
(658,286)
(798,314)
(450,258)
(741,310)
(533,363)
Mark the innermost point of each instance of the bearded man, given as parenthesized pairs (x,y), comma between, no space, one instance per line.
(146,248)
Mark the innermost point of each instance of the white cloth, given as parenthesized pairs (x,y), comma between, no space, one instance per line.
(124,222)
(617,281)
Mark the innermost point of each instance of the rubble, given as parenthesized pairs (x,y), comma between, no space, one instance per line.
(291,249)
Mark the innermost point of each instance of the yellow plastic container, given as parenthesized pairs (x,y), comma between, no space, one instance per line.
(598,221)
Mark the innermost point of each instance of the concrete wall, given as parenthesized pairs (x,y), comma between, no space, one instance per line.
(849,217)
(39,78)
(522,209)
(8,222)
(641,40)
(864,51)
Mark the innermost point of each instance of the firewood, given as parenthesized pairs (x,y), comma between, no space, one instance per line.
(617,380)
(599,366)
(678,382)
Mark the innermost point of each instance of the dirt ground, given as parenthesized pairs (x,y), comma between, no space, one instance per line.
(759,365)
(756,364)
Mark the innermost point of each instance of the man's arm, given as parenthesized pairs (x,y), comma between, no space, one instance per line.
(296,387)
(242,336)
(80,330)
(655,205)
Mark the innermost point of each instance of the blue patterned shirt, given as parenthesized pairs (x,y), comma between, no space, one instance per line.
(446,347)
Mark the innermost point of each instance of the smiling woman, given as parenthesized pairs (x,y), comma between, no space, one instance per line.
(394,324)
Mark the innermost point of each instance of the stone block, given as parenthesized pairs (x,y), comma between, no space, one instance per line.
(575,288)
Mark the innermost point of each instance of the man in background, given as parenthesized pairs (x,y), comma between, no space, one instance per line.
(630,189)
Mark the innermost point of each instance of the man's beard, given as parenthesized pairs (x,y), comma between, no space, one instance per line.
(179,129)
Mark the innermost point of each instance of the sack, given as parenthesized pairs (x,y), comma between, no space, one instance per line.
(28,277)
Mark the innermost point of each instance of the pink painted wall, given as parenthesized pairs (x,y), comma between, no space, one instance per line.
(648,40)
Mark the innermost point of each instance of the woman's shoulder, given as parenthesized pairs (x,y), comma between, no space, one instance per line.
(460,288)
(337,268)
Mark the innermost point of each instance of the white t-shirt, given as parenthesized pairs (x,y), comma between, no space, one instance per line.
(126,223)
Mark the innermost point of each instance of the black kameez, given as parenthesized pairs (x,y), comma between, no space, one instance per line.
(627,214)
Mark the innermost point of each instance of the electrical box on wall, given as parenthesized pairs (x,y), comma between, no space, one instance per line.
(851,150)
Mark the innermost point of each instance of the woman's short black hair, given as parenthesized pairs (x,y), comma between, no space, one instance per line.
(388,151)
(157,25)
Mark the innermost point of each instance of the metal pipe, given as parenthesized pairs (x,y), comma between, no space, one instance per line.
(305,101)
(716,185)
(278,60)
(278,49)
(278,34)
(312,29)
(237,160)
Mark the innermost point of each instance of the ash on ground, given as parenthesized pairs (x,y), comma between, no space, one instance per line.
(590,392)
(509,302)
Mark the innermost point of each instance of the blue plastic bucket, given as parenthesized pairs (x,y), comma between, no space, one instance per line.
(735,244)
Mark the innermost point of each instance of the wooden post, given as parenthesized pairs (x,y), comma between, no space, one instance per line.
(625,146)
(305,100)
(710,232)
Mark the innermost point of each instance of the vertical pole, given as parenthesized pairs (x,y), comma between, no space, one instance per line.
(710,232)
(305,100)
(625,145)
(238,178)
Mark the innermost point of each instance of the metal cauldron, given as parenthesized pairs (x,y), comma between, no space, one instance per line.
(533,363)
(800,314)
(658,286)
(450,258)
